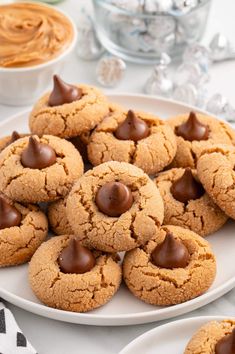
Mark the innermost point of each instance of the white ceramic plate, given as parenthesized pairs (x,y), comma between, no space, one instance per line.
(168,339)
(124,308)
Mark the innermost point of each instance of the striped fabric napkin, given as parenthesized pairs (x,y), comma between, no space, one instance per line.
(12,340)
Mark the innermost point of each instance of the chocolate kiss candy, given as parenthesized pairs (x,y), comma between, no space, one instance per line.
(63,93)
(226,345)
(37,155)
(133,128)
(114,199)
(171,253)
(9,215)
(14,136)
(76,259)
(192,129)
(187,188)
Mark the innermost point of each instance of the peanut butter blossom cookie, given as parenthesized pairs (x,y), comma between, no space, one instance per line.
(216,172)
(196,131)
(213,338)
(176,265)
(114,207)
(68,110)
(36,169)
(65,275)
(57,217)
(22,229)
(135,137)
(187,204)
(7,140)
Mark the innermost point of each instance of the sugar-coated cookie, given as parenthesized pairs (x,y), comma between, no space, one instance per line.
(7,140)
(194,132)
(187,204)
(216,172)
(65,275)
(68,110)
(134,137)
(22,229)
(36,169)
(175,266)
(57,217)
(213,338)
(114,207)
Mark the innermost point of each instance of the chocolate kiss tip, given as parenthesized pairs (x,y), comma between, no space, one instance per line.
(76,258)
(9,215)
(187,188)
(14,136)
(133,128)
(63,93)
(171,253)
(114,199)
(37,155)
(193,129)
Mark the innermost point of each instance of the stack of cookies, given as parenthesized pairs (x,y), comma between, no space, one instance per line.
(155,189)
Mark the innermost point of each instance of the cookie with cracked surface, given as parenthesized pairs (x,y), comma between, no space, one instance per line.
(188,151)
(134,137)
(7,140)
(72,291)
(161,286)
(33,185)
(19,242)
(126,191)
(57,217)
(206,339)
(215,169)
(197,212)
(69,119)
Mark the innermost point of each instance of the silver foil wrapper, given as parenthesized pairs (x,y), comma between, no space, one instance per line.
(110,70)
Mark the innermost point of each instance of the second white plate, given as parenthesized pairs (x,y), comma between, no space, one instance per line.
(124,308)
(168,339)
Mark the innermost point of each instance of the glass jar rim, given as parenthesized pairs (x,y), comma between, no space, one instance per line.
(108,5)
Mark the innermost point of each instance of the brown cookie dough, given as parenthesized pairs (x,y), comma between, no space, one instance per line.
(72,292)
(161,286)
(215,169)
(33,185)
(188,151)
(151,153)
(200,215)
(111,234)
(7,140)
(70,119)
(206,338)
(57,218)
(18,243)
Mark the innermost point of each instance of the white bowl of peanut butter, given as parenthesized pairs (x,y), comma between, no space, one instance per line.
(35,42)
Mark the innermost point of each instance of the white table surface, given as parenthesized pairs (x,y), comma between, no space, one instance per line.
(52,337)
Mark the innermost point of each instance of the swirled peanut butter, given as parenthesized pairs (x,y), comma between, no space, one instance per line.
(32,34)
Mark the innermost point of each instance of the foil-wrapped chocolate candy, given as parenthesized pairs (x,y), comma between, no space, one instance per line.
(160,83)
(110,70)
(186,93)
(190,72)
(217,104)
(155,6)
(221,48)
(199,54)
(88,44)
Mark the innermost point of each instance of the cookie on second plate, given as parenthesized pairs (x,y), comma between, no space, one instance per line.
(213,338)
(196,131)
(215,169)
(36,169)
(68,110)
(22,229)
(57,217)
(114,207)
(134,137)
(187,204)
(175,266)
(65,275)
